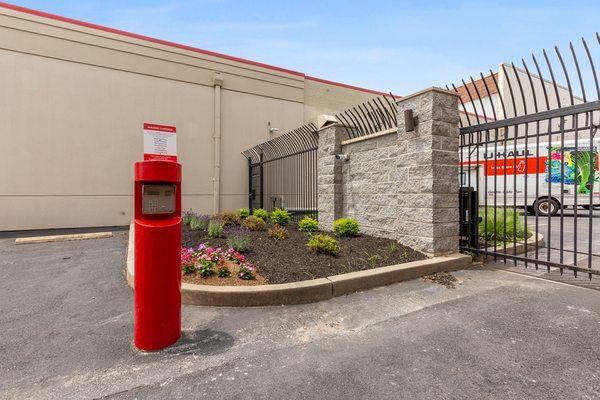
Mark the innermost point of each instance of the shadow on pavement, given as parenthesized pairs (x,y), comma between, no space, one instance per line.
(203,342)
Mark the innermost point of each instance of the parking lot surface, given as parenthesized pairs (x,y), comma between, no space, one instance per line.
(66,332)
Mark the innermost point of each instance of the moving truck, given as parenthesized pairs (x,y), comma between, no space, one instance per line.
(540,178)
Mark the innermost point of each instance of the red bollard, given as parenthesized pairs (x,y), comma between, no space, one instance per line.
(157,276)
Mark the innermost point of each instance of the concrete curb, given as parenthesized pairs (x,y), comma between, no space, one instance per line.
(536,240)
(306,291)
(63,238)
(363,280)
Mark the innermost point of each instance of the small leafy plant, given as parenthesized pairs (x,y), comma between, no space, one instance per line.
(243,213)
(261,213)
(215,229)
(278,233)
(246,272)
(493,227)
(206,270)
(238,239)
(223,271)
(198,222)
(280,217)
(186,218)
(405,255)
(392,248)
(234,257)
(346,227)
(255,224)
(308,225)
(229,218)
(188,269)
(323,244)
(373,260)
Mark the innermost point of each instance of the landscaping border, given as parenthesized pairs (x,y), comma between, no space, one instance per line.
(63,238)
(306,291)
(536,240)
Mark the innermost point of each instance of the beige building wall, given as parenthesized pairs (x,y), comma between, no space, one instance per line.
(321,97)
(74,99)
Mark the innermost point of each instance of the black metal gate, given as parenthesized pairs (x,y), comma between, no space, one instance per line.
(282,173)
(530,165)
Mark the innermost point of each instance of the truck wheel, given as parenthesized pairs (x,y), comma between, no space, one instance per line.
(545,207)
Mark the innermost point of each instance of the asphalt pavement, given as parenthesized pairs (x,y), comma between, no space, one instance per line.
(66,333)
(570,232)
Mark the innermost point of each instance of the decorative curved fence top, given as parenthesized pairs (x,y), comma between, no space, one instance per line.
(372,116)
(297,141)
(375,115)
(551,81)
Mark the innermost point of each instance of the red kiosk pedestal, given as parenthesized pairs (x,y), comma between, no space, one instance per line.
(157,276)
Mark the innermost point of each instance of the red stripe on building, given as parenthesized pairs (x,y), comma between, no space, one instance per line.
(177,45)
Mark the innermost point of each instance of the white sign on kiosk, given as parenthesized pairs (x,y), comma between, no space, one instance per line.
(160,142)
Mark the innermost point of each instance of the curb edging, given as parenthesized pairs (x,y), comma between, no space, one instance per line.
(305,291)
(536,240)
(63,238)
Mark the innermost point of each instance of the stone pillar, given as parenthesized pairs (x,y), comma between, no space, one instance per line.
(329,176)
(428,168)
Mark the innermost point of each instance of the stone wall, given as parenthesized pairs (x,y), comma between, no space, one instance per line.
(428,216)
(329,177)
(401,185)
(370,180)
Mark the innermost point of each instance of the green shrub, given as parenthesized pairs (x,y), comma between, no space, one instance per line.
(186,218)
(346,227)
(494,228)
(206,270)
(188,269)
(308,224)
(238,239)
(243,213)
(246,272)
(198,223)
(229,218)
(255,224)
(215,229)
(278,233)
(260,213)
(223,271)
(280,217)
(324,244)
(373,260)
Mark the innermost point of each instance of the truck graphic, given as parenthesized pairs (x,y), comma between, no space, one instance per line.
(542,178)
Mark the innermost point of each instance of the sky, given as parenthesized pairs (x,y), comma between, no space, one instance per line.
(391,46)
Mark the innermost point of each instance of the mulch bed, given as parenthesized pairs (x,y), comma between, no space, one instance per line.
(290,261)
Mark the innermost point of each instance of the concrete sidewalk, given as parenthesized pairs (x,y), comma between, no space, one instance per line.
(66,325)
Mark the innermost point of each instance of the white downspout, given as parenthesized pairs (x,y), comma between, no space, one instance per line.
(217,83)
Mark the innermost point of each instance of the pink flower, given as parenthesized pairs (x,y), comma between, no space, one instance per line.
(187,255)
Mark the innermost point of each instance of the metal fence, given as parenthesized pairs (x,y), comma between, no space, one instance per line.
(376,115)
(548,81)
(530,164)
(282,173)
